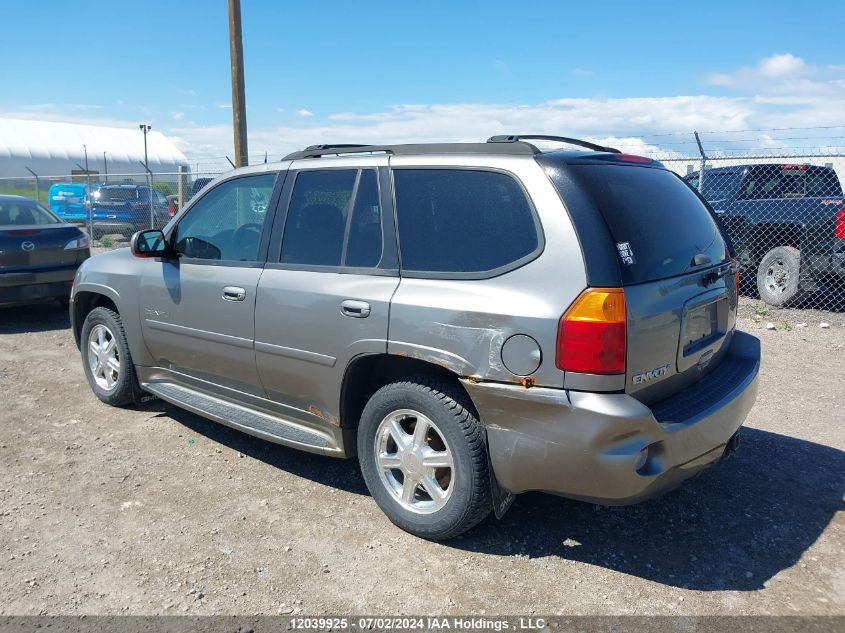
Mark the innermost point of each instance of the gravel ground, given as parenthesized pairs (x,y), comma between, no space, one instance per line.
(154,510)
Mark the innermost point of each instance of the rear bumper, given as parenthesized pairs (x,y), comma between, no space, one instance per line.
(16,287)
(116,226)
(832,263)
(586,445)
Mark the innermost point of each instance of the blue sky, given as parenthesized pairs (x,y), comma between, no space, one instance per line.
(394,71)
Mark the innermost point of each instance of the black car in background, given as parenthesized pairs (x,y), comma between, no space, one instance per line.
(39,252)
(787,223)
(125,209)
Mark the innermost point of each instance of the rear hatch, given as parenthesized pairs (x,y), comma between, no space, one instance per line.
(669,255)
(123,204)
(27,248)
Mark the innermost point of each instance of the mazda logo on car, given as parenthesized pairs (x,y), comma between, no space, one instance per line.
(28,246)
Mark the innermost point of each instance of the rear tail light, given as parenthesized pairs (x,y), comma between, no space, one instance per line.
(591,334)
(734,268)
(839,226)
(171,208)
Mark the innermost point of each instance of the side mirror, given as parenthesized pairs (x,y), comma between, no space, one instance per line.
(149,243)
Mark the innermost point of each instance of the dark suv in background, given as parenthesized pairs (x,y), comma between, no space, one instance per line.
(787,223)
(471,320)
(125,209)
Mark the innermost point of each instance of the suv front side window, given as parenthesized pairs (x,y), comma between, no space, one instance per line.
(227,222)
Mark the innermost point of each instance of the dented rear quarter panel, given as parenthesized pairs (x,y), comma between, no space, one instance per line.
(461,324)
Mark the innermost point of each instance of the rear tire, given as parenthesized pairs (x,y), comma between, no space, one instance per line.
(106,358)
(778,275)
(434,484)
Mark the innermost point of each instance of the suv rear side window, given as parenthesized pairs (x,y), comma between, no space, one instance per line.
(334,219)
(462,221)
(653,217)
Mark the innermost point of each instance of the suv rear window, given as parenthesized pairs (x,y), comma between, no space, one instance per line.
(117,194)
(823,182)
(462,221)
(658,224)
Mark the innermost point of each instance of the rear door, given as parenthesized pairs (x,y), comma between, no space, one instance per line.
(823,205)
(680,293)
(324,297)
(197,310)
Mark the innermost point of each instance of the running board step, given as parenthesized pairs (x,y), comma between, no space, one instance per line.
(268,427)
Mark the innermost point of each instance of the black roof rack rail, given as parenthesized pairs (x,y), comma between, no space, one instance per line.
(515,138)
(312,148)
(516,148)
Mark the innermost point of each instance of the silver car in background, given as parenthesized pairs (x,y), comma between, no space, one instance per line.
(472,321)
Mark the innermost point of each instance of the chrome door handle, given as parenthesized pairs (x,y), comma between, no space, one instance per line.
(234,293)
(357,309)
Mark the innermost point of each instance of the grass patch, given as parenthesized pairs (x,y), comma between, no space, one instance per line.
(761,310)
(26,192)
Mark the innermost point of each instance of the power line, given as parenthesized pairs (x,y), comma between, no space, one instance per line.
(757,140)
(770,129)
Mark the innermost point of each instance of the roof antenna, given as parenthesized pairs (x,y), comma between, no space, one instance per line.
(265,156)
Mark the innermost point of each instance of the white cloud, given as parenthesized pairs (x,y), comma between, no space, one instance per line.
(793,94)
(776,68)
(582,72)
(635,124)
(177,116)
(782,66)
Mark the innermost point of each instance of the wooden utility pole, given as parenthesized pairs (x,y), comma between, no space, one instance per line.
(236,52)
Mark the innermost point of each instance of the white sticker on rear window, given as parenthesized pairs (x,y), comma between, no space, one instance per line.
(625,253)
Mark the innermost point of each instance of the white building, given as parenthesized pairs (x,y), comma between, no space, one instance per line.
(58,149)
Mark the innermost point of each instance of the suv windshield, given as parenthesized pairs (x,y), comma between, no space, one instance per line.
(657,223)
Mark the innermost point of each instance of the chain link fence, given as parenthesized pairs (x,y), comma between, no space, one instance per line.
(785,214)
(111,207)
(784,211)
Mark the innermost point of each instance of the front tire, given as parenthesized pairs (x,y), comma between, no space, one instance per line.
(423,454)
(106,358)
(778,275)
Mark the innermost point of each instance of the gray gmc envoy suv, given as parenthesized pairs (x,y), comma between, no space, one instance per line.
(471,320)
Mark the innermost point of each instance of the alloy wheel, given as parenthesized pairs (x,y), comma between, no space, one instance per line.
(415,463)
(103,357)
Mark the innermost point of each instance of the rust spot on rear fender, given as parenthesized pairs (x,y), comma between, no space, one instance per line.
(526,381)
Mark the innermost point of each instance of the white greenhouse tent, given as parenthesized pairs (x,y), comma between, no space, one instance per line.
(53,149)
